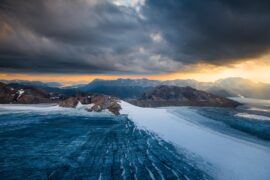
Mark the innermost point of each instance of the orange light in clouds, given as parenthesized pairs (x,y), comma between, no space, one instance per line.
(254,70)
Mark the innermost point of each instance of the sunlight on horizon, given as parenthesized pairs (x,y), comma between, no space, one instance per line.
(202,73)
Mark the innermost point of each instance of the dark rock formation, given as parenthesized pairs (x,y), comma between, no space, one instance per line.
(160,96)
(98,103)
(7,94)
(181,96)
(26,95)
(69,102)
(32,95)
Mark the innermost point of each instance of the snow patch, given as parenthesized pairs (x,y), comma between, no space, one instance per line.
(232,158)
(84,106)
(253,116)
(240,96)
(48,109)
(21,91)
(250,101)
(259,109)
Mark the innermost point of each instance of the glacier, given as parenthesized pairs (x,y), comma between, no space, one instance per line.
(230,157)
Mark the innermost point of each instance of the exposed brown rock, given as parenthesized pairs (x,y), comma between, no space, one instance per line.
(27,95)
(32,96)
(30,99)
(114,108)
(99,102)
(181,96)
(7,94)
(69,102)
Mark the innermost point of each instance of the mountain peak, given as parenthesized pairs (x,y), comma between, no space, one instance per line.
(164,95)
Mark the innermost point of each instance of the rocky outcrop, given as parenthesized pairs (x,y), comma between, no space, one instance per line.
(32,95)
(159,96)
(7,94)
(181,96)
(69,102)
(26,95)
(97,103)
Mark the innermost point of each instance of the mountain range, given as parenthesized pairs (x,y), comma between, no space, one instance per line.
(159,96)
(134,88)
(33,83)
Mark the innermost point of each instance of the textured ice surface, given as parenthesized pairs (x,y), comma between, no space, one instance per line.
(234,158)
(45,141)
(61,143)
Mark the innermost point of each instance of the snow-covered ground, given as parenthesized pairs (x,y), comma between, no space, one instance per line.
(232,158)
(253,116)
(229,157)
(50,109)
(262,102)
(20,93)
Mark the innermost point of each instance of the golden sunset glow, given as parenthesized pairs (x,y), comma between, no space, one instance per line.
(254,70)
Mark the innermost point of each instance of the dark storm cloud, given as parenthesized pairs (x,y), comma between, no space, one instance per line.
(68,36)
(215,31)
(96,36)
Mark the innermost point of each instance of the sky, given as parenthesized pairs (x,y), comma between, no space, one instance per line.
(78,41)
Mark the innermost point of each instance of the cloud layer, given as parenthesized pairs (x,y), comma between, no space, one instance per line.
(139,37)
